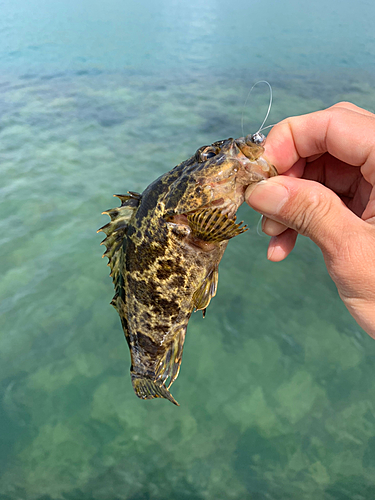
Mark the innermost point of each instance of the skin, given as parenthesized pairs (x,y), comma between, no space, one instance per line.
(164,248)
(326,192)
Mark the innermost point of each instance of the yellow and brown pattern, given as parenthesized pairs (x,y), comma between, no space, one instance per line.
(164,248)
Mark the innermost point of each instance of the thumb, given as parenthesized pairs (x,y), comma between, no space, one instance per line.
(306,206)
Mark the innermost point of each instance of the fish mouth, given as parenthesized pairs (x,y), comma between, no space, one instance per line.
(241,164)
(250,167)
(256,161)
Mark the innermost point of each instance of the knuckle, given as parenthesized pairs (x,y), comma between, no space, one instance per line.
(343,104)
(310,211)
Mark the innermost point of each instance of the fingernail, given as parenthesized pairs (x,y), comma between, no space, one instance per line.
(267,197)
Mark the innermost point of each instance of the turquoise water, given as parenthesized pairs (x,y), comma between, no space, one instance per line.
(277,387)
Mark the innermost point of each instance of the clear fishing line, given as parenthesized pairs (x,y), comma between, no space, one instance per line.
(268,110)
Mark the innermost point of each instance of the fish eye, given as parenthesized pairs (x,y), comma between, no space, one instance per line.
(207,153)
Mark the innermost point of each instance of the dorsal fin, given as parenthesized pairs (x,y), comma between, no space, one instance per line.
(115,230)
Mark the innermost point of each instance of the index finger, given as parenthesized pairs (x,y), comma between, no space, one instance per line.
(344,131)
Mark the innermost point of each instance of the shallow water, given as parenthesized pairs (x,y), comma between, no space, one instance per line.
(276,386)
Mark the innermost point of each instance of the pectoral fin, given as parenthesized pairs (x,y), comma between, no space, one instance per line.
(211,225)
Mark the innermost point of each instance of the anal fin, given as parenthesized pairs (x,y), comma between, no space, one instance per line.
(211,225)
(170,363)
(146,388)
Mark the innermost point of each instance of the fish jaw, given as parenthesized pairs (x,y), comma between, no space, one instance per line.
(249,167)
(257,167)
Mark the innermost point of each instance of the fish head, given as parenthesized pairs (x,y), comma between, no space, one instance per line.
(217,176)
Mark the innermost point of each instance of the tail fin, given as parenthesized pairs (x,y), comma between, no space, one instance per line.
(145,388)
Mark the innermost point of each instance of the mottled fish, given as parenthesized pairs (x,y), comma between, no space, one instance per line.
(164,247)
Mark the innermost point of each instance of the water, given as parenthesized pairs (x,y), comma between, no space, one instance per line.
(276,386)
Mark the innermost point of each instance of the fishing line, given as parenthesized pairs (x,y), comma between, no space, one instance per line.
(268,110)
(265,128)
(259,225)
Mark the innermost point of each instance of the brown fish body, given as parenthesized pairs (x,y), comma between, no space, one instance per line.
(164,248)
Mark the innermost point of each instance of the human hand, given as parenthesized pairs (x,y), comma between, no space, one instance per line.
(326,192)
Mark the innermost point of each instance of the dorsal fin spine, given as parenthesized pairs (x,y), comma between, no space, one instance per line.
(115,230)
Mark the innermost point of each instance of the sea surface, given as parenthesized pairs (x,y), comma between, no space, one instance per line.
(277,385)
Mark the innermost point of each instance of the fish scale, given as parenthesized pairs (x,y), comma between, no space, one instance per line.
(164,247)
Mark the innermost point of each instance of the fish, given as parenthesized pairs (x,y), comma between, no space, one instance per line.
(164,247)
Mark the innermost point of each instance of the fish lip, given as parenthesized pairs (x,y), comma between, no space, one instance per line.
(254,156)
(251,150)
